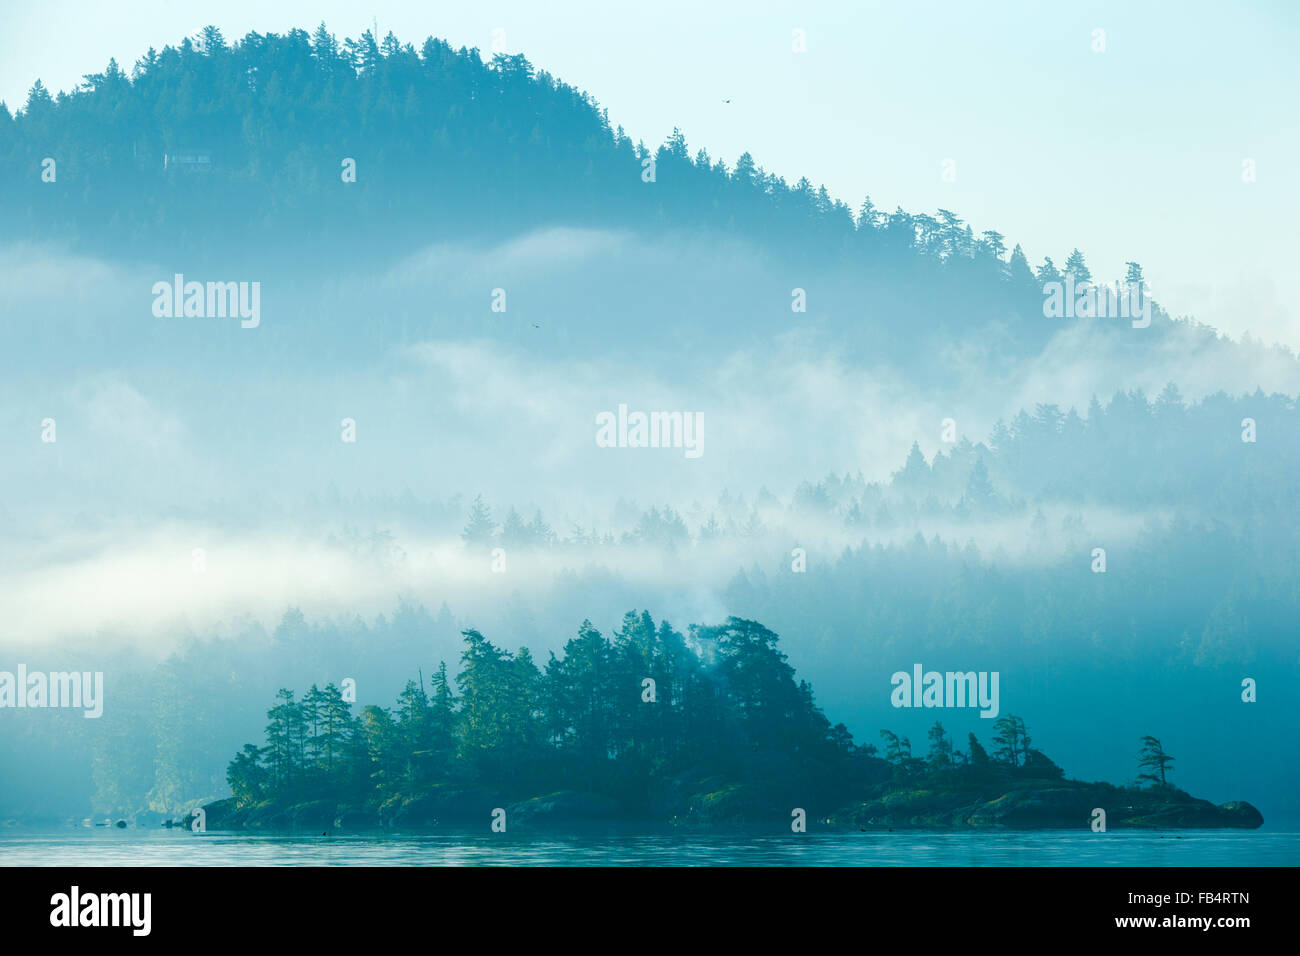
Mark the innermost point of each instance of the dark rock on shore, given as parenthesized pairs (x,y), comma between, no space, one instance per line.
(357,818)
(316,815)
(1054,805)
(564,806)
(439,805)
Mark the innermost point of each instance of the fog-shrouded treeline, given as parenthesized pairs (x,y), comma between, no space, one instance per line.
(1198,594)
(1230,460)
(1135,454)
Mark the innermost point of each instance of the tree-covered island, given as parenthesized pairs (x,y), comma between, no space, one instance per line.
(659,727)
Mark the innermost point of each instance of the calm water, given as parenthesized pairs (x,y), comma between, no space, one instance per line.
(104,847)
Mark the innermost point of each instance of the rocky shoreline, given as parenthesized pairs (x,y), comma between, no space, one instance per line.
(1052,804)
(1057,807)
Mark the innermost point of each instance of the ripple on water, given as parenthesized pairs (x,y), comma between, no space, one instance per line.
(639,848)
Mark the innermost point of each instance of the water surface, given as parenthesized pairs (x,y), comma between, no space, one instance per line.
(639,847)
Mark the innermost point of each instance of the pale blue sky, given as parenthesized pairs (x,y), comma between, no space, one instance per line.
(1132,153)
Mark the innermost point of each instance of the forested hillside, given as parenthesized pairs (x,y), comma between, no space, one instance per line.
(444,146)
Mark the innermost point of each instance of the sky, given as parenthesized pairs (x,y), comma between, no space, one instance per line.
(1135,151)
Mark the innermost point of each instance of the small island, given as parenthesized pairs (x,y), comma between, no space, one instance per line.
(659,728)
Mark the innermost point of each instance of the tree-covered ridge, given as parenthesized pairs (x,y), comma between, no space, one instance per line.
(653,724)
(445,143)
(1131,453)
(1228,458)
